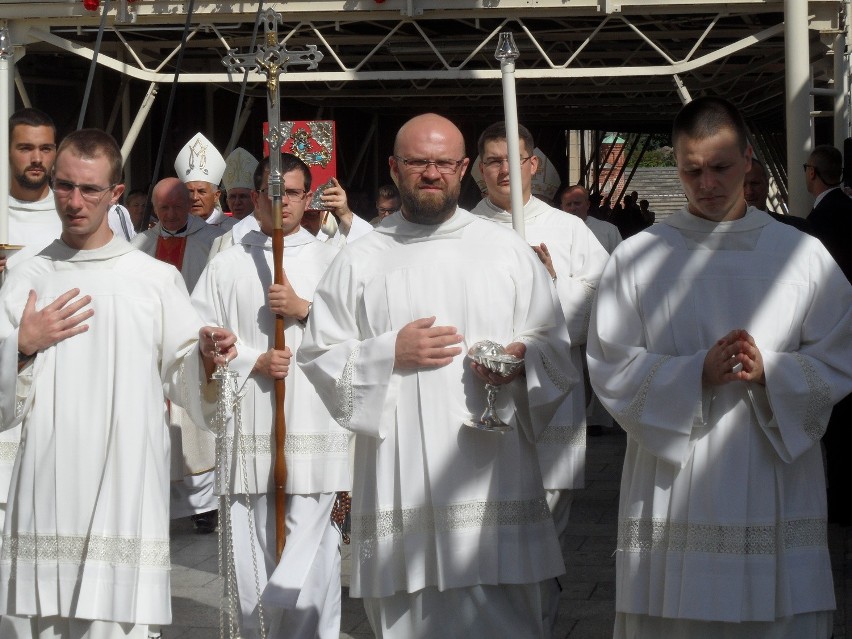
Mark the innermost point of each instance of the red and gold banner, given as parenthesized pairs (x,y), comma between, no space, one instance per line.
(313,142)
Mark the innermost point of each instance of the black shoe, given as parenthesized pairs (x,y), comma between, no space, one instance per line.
(205,523)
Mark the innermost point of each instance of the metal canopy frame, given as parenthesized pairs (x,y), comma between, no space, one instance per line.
(585,64)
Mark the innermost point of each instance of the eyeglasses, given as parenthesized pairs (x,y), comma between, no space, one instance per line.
(496,163)
(384,211)
(418,165)
(293,195)
(89,192)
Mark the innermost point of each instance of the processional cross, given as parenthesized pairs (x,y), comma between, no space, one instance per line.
(272,59)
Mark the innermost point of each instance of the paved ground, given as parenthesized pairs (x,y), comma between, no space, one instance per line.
(586,609)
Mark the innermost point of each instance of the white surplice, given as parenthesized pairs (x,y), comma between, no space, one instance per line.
(233,292)
(722,514)
(607,234)
(435,502)
(578,259)
(32,225)
(87,529)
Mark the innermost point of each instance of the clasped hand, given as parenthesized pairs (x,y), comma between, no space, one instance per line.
(735,357)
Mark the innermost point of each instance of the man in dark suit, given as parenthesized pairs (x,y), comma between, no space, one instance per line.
(831,222)
(831,217)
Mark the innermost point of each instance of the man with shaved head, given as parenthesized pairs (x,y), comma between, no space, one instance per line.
(450,524)
(719,342)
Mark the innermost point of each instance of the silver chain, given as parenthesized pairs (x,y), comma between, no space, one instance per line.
(227,406)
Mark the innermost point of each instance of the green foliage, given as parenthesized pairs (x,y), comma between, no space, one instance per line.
(663,156)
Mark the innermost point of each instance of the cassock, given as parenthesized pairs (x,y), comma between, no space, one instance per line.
(87,531)
(722,514)
(578,259)
(435,503)
(187,250)
(232,292)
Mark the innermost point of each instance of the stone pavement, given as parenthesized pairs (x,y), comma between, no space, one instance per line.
(586,607)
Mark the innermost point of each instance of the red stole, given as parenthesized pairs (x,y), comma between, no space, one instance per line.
(170,249)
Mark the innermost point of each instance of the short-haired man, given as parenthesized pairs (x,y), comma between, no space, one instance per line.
(575,259)
(93,331)
(236,290)
(831,221)
(575,200)
(756,192)
(33,222)
(387,202)
(181,239)
(451,532)
(184,241)
(719,342)
(135,203)
(200,166)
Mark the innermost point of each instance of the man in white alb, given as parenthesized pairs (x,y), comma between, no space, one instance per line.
(575,200)
(93,332)
(237,291)
(575,260)
(33,222)
(184,241)
(451,534)
(720,341)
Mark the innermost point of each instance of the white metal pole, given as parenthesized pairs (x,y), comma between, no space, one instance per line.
(133,133)
(841,96)
(507,53)
(798,109)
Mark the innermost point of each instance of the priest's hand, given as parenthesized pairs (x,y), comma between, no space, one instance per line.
(419,344)
(3,263)
(735,357)
(283,301)
(217,347)
(334,199)
(59,320)
(273,363)
(518,349)
(544,255)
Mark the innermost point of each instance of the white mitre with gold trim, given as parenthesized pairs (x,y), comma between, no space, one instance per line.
(239,170)
(199,161)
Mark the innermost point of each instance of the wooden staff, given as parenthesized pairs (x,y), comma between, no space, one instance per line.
(272,59)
